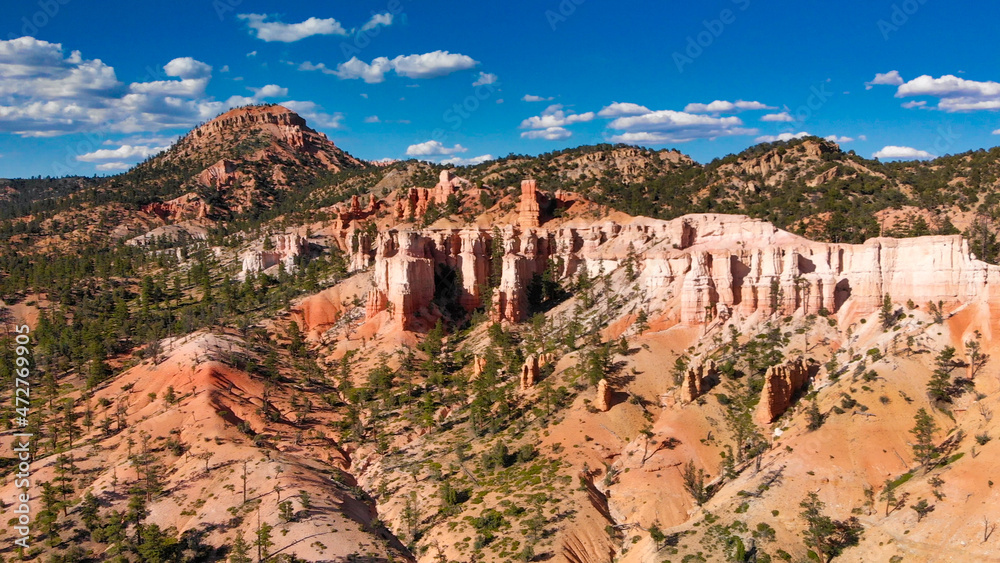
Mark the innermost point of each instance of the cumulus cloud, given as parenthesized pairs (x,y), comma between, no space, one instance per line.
(372,119)
(902,153)
(780,117)
(668,126)
(556,116)
(533,98)
(997,132)
(913,104)
(619,109)
(427,65)
(269,91)
(839,140)
(432,65)
(433,148)
(781,137)
(291,32)
(456,161)
(44,92)
(187,68)
(122,153)
(954,94)
(548,134)
(722,106)
(485,78)
(891,78)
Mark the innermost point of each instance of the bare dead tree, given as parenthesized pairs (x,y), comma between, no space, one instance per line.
(988,528)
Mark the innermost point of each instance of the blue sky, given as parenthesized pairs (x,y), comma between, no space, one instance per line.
(93,87)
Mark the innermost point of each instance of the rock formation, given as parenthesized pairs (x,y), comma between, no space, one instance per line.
(702,267)
(187,206)
(698,380)
(781,385)
(529,210)
(602,401)
(287,247)
(529,372)
(418,200)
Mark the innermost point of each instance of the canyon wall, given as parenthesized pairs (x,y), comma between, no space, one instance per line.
(695,268)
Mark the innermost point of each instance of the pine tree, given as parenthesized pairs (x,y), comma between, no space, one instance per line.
(938,388)
(923,431)
(818,526)
(240,552)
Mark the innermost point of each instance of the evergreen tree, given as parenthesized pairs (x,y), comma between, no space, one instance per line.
(923,431)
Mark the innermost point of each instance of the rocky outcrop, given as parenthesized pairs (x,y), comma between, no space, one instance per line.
(602,401)
(286,247)
(418,200)
(781,385)
(700,267)
(529,372)
(698,380)
(528,212)
(187,206)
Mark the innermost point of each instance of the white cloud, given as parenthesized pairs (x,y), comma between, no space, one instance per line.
(485,78)
(377,20)
(619,109)
(432,65)
(187,68)
(456,161)
(44,93)
(269,91)
(122,153)
(315,115)
(225,68)
(532,98)
(251,54)
(839,140)
(782,117)
(291,32)
(915,104)
(372,119)
(549,134)
(954,93)
(427,65)
(668,126)
(356,68)
(781,137)
(997,132)
(111,166)
(555,116)
(903,153)
(433,148)
(308,66)
(891,78)
(722,106)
